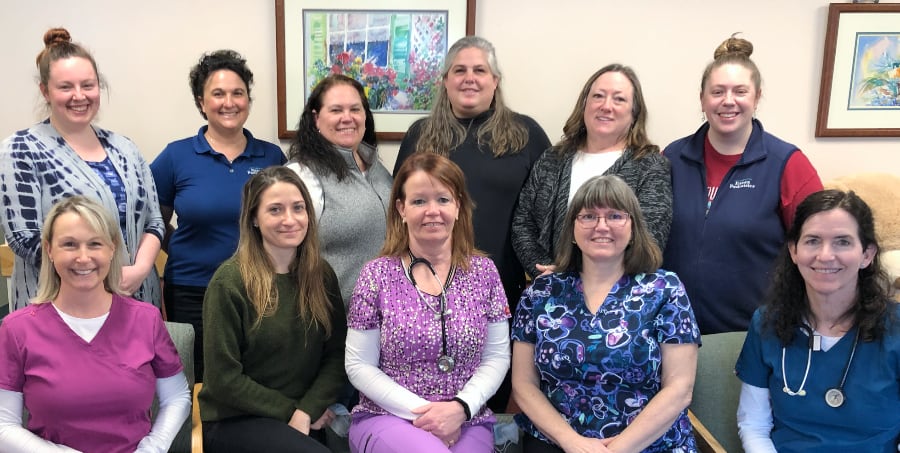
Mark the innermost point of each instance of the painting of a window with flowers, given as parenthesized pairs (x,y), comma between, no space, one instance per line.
(395,55)
(876,72)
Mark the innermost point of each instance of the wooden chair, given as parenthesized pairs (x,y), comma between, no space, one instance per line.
(197,431)
(7,258)
(706,442)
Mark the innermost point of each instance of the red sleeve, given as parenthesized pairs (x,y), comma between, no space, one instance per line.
(797,182)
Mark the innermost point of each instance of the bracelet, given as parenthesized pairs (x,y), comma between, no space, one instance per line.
(464,406)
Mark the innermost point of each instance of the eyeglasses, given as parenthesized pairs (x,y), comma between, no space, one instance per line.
(614,219)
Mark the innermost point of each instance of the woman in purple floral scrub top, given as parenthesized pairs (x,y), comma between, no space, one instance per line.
(428,339)
(605,351)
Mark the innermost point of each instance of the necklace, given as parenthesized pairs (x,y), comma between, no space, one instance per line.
(445,362)
(834,396)
(229,149)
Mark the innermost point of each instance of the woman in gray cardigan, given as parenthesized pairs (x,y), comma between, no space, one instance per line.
(605,134)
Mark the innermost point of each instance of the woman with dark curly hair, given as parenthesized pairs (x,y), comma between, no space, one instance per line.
(200,179)
(821,363)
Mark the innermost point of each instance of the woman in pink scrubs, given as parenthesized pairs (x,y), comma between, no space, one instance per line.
(84,359)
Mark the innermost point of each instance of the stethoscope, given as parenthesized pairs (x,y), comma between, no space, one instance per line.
(834,396)
(445,363)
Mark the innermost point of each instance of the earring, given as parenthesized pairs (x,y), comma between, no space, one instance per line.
(255,225)
(702,116)
(403,220)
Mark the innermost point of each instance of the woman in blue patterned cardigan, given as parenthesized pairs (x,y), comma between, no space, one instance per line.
(65,155)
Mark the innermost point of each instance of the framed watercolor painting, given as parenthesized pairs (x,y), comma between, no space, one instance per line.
(395,49)
(860,91)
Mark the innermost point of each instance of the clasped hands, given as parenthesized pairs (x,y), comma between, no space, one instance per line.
(443,419)
(582,444)
(301,422)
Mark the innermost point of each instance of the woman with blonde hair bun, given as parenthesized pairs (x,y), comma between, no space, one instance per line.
(735,189)
(65,155)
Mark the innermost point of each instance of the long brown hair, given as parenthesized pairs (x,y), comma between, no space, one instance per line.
(257,270)
(450,175)
(636,139)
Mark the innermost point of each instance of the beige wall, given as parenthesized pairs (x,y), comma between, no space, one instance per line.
(546,51)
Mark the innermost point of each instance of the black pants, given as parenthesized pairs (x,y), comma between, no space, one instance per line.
(185,304)
(250,434)
(531,444)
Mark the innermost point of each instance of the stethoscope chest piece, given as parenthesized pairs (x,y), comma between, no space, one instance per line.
(834,397)
(446,363)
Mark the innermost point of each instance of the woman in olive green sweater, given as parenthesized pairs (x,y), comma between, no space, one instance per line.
(270,378)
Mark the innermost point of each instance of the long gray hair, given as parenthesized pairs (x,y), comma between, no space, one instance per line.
(441,131)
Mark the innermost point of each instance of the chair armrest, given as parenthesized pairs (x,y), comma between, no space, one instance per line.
(7,257)
(706,443)
(197,430)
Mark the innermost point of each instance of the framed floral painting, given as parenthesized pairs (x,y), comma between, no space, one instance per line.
(860,91)
(395,50)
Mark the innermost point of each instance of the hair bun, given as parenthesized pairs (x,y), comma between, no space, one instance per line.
(56,36)
(734,46)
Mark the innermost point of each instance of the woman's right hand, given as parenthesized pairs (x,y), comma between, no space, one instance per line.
(546,269)
(300,421)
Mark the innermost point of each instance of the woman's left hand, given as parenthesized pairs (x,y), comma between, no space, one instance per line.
(324,420)
(441,419)
(132,278)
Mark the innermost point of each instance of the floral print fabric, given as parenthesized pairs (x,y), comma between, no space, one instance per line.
(411,340)
(599,370)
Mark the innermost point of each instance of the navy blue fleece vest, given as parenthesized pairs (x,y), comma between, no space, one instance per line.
(724,257)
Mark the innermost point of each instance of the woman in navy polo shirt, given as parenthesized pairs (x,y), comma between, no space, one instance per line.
(200,178)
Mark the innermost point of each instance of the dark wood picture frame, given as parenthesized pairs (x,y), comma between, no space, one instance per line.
(827,109)
(284,132)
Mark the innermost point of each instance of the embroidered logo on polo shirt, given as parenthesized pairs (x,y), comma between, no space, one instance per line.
(254,170)
(746,183)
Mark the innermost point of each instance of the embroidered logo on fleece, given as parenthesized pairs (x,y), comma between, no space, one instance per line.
(254,170)
(746,183)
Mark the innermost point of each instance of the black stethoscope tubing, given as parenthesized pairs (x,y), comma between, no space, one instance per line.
(413,260)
